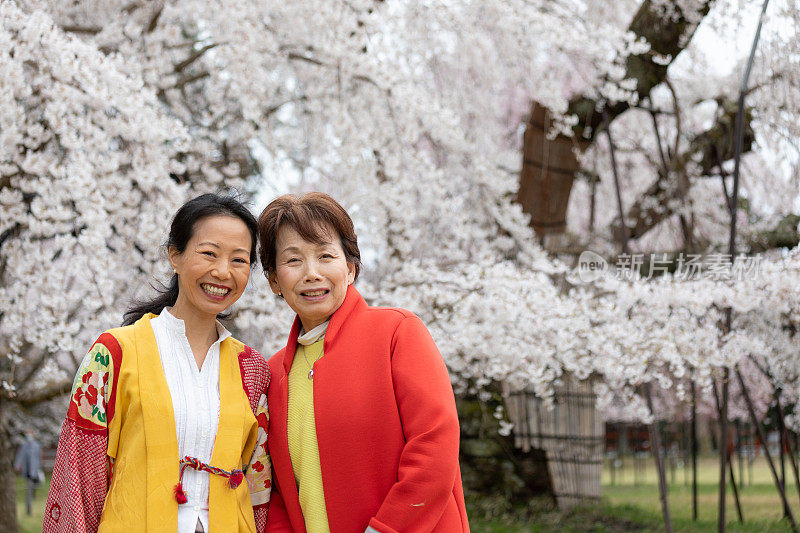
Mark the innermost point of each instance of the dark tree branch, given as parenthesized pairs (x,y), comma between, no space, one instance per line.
(667,38)
(151,25)
(194,56)
(300,57)
(623,234)
(659,145)
(10,232)
(677,112)
(89,30)
(52,390)
(183,82)
(35,365)
(711,148)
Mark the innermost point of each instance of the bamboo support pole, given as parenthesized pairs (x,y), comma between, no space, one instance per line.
(783,430)
(781,448)
(760,431)
(729,461)
(722,407)
(785,438)
(734,204)
(735,492)
(655,439)
(694,452)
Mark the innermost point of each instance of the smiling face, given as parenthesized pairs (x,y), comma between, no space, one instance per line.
(214,268)
(312,277)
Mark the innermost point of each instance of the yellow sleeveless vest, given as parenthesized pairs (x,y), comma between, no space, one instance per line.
(142,440)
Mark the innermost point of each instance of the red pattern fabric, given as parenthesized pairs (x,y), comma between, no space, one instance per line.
(81,461)
(260,513)
(255,375)
(255,380)
(82,471)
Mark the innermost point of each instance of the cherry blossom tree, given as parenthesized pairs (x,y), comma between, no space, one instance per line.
(84,200)
(411,114)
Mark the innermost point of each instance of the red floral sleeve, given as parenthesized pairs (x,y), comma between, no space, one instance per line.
(82,470)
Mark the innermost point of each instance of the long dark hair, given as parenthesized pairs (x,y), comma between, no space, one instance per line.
(180,232)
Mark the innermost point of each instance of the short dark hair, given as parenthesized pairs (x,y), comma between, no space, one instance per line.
(309,215)
(180,233)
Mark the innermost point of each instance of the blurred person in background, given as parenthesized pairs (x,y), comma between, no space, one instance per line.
(28,463)
(364,434)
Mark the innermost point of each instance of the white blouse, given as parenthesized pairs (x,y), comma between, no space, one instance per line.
(195,401)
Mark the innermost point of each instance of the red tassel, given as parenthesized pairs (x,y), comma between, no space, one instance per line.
(236,478)
(180,495)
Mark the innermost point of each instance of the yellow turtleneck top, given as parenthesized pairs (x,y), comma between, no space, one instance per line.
(302,436)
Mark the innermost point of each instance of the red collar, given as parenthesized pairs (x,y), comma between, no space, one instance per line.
(352,301)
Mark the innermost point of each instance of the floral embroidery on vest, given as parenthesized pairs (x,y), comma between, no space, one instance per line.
(90,389)
(259,473)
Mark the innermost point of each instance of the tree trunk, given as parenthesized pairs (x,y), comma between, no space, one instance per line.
(545,184)
(8,493)
(548,170)
(667,37)
(494,471)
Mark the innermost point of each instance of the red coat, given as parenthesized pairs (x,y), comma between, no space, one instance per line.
(386,424)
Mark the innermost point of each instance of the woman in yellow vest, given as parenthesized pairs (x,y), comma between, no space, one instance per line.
(166,427)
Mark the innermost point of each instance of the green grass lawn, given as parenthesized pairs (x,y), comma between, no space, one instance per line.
(760,501)
(630,504)
(32,523)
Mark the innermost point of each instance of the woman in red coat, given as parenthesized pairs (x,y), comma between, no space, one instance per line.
(363,426)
